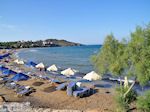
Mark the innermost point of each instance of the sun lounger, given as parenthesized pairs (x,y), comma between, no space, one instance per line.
(45,77)
(2,80)
(3,76)
(11,85)
(34,76)
(82,92)
(5,80)
(40,77)
(70,88)
(55,81)
(23,91)
(62,86)
(19,88)
(28,90)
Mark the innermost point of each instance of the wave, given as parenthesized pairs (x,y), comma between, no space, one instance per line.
(33,50)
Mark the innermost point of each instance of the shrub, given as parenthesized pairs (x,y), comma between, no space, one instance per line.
(143,102)
(123,102)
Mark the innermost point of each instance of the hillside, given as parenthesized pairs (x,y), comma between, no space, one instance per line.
(39,43)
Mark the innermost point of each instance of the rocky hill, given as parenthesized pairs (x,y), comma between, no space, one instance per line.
(39,43)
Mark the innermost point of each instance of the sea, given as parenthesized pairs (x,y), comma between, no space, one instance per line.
(76,57)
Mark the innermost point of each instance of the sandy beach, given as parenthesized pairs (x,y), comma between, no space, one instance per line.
(46,96)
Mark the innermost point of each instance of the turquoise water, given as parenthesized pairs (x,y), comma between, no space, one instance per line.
(77,57)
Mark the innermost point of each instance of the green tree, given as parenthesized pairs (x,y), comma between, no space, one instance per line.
(130,58)
(108,60)
(143,102)
(139,54)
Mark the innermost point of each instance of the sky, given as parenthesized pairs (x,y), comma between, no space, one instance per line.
(82,21)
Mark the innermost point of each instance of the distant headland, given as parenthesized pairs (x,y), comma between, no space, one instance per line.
(38,43)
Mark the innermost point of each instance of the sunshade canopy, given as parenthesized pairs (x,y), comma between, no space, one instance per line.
(92,76)
(52,68)
(40,65)
(20,76)
(68,72)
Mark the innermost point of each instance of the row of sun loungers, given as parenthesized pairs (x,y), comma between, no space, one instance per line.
(10,84)
(19,89)
(6,72)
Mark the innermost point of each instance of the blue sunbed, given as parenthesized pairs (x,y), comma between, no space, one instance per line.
(62,86)
(82,92)
(70,88)
(25,92)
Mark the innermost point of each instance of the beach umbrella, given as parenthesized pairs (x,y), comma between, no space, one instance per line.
(8,72)
(1,57)
(20,62)
(79,84)
(92,76)
(16,61)
(6,55)
(68,72)
(31,63)
(2,68)
(40,65)
(20,76)
(52,68)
